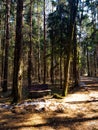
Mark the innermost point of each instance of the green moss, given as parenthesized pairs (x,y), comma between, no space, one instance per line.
(57,96)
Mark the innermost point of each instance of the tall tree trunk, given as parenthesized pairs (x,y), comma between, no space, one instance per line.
(44,80)
(30,49)
(95,66)
(55,70)
(88,66)
(61,28)
(39,58)
(0,50)
(18,66)
(64,69)
(60,67)
(75,61)
(39,67)
(73,12)
(52,61)
(52,57)
(66,80)
(5,76)
(2,57)
(2,53)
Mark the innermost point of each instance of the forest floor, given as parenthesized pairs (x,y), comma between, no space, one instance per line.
(77,111)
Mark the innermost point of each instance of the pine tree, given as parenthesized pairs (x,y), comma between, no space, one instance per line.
(18,66)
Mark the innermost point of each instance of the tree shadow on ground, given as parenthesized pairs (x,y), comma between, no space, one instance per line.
(65,121)
(84,88)
(11,121)
(53,122)
(79,102)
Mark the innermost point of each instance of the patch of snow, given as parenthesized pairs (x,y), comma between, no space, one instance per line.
(94,95)
(77,97)
(53,105)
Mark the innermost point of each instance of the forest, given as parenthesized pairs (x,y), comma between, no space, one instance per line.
(49,50)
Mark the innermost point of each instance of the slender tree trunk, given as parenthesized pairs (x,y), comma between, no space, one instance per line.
(30,50)
(95,66)
(73,12)
(93,30)
(18,64)
(88,67)
(64,69)
(39,59)
(61,68)
(39,67)
(65,88)
(44,80)
(61,56)
(52,58)
(5,76)
(2,54)
(52,75)
(55,70)
(75,61)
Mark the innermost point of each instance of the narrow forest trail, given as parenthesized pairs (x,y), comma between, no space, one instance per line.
(77,111)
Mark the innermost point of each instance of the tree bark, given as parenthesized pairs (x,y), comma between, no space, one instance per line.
(95,66)
(60,67)
(73,12)
(39,55)
(52,58)
(5,76)
(30,50)
(18,65)
(66,74)
(2,58)
(88,66)
(44,60)
(75,61)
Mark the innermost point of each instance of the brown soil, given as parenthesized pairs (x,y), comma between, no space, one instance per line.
(77,111)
